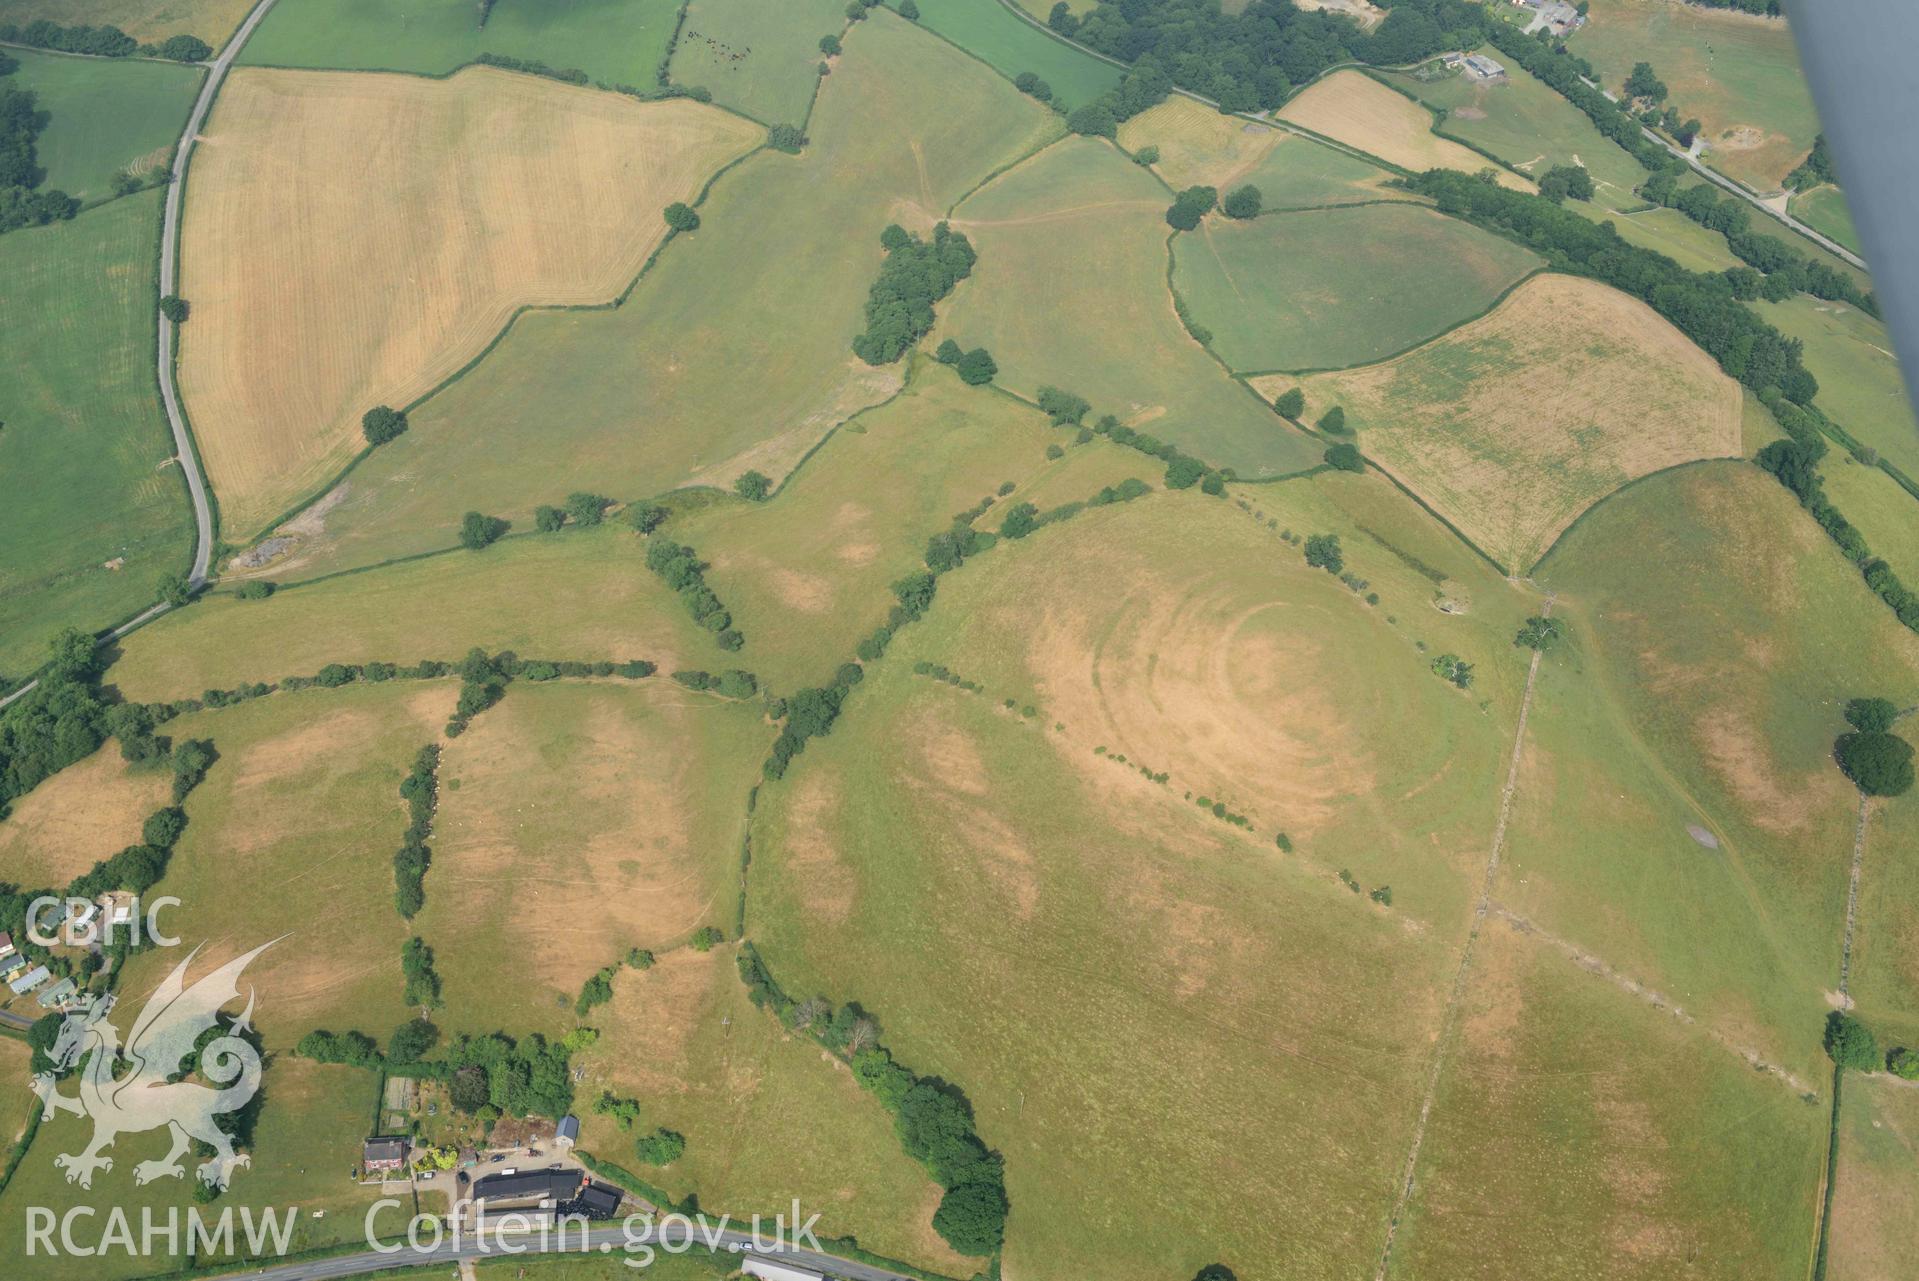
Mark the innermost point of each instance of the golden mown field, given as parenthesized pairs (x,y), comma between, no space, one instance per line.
(1353,108)
(1513,425)
(315,299)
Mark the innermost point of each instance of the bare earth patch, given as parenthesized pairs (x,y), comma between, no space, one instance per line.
(316,298)
(1515,424)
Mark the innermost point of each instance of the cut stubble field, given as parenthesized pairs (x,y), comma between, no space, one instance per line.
(649,396)
(1071,291)
(1563,393)
(211,20)
(1351,107)
(1329,288)
(1198,146)
(315,300)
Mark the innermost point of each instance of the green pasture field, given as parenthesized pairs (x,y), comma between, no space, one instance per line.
(1528,125)
(1304,174)
(991,33)
(1878,507)
(812,565)
(306,1144)
(651,394)
(104,116)
(1070,291)
(1875,1198)
(1733,71)
(291,838)
(1575,1122)
(86,479)
(578,820)
(1669,232)
(1860,384)
(767,1117)
(620,42)
(597,600)
(1091,956)
(1824,209)
(1724,646)
(1599,853)
(211,20)
(1885,966)
(759,59)
(1338,287)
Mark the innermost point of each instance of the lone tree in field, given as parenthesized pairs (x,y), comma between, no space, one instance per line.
(1878,764)
(587,509)
(1146,157)
(1872,715)
(1322,552)
(976,367)
(909,11)
(1291,403)
(381,424)
(1642,83)
(1242,202)
(1190,206)
(1095,120)
(1539,633)
(830,46)
(680,216)
(1333,421)
(1850,1043)
(949,353)
(174,308)
(645,516)
(787,138)
(1031,85)
(548,519)
(1345,457)
(753,487)
(1562,181)
(478,530)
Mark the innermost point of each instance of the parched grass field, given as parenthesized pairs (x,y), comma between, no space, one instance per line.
(757,58)
(92,507)
(1070,291)
(990,32)
(1529,126)
(1725,643)
(211,20)
(578,820)
(1737,73)
(767,1115)
(1567,390)
(15,1104)
(1875,1198)
(291,837)
(105,115)
(1336,287)
(83,814)
(619,42)
(595,600)
(1139,997)
(315,300)
(809,570)
(1351,107)
(1580,1132)
(1860,384)
(306,1145)
(1824,209)
(1200,147)
(650,396)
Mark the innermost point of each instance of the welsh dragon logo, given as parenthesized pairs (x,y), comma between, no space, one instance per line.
(144,1097)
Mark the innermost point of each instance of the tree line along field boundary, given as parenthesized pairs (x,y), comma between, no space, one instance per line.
(1384,81)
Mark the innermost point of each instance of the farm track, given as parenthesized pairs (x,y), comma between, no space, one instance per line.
(169,394)
(1481,910)
(1852,902)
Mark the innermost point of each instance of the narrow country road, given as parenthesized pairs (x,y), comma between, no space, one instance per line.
(169,393)
(609,1241)
(1831,246)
